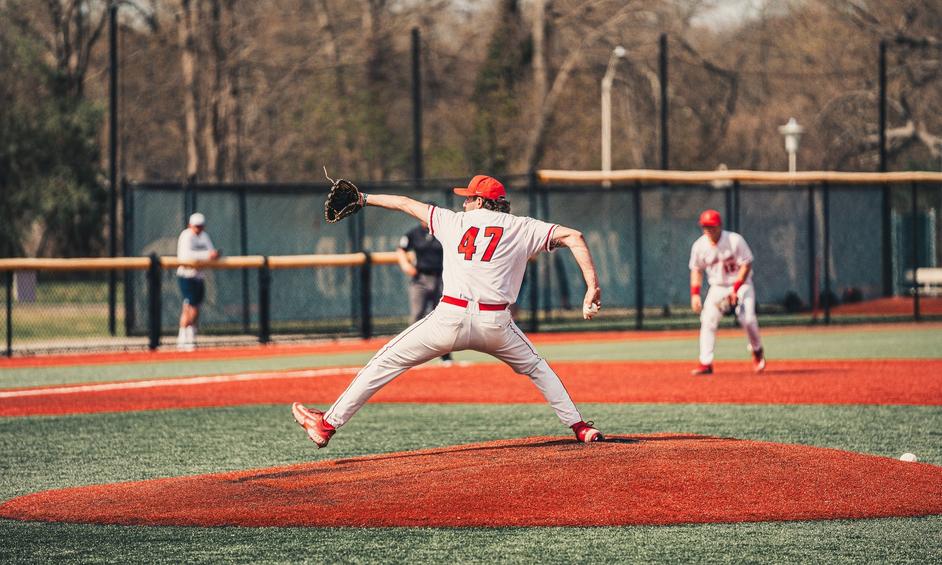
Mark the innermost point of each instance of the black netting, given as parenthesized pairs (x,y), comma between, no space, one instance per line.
(868,274)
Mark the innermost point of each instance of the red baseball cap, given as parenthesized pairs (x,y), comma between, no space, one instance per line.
(710,218)
(483,186)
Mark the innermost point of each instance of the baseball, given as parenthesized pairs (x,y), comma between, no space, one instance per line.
(589,311)
(908,457)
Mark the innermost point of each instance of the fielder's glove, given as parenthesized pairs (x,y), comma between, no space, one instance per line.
(344,199)
(725,305)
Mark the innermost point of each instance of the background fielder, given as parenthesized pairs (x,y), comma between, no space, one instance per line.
(193,244)
(486,250)
(727,260)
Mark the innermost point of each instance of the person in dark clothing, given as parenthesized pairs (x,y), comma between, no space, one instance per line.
(425,284)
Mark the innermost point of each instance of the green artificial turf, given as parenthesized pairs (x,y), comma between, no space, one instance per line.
(912,540)
(59,451)
(844,343)
(45,452)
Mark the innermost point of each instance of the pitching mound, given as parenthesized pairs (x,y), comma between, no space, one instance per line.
(668,479)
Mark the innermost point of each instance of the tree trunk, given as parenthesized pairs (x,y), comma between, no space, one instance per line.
(213,124)
(187,39)
(234,166)
(345,142)
(539,53)
(536,139)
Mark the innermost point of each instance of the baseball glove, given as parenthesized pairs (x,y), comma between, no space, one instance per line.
(344,199)
(725,305)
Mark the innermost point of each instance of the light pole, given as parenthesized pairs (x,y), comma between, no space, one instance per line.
(792,132)
(617,53)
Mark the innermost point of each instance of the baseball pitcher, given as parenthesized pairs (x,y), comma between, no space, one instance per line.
(727,260)
(485,255)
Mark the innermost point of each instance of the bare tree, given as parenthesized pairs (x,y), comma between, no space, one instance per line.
(186,26)
(911,30)
(588,22)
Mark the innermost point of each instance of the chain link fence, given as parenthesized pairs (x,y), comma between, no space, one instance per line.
(823,254)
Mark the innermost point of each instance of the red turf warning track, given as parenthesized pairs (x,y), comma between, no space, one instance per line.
(524,482)
(916,382)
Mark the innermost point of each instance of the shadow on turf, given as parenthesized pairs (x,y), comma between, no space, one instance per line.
(446,452)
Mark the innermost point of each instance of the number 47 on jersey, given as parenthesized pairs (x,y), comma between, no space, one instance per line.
(467,245)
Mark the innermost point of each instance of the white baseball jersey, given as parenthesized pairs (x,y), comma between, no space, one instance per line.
(486,252)
(192,247)
(485,256)
(721,260)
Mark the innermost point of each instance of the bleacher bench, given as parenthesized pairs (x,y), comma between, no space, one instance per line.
(929,280)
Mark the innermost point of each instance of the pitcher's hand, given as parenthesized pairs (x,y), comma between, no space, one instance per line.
(592,303)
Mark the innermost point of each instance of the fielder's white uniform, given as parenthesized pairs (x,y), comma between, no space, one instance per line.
(193,247)
(485,256)
(721,262)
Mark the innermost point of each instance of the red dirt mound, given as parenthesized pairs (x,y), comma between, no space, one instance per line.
(524,482)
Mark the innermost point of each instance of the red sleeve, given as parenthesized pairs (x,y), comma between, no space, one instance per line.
(549,237)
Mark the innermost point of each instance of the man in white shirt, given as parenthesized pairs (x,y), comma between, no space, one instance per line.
(193,244)
(485,254)
(727,260)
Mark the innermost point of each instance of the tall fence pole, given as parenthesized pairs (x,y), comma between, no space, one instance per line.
(112,161)
(543,200)
(130,315)
(533,272)
(826,194)
(244,250)
(639,260)
(264,302)
(8,276)
(154,276)
(915,249)
(355,231)
(813,287)
(737,193)
(886,201)
(366,295)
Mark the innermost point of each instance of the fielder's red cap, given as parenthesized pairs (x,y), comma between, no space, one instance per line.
(710,218)
(483,186)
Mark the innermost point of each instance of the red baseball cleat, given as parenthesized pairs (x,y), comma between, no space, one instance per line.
(703,370)
(586,433)
(313,423)
(758,360)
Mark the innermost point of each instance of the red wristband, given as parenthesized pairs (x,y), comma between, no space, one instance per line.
(695,290)
(736,286)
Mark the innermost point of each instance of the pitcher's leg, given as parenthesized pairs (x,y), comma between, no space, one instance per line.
(518,352)
(555,393)
(422,341)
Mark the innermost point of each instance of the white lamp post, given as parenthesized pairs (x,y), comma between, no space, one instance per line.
(617,53)
(792,132)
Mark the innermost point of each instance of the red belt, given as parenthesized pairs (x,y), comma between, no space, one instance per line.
(464,303)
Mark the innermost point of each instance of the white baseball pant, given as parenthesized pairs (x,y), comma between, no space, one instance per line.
(711,315)
(454,328)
